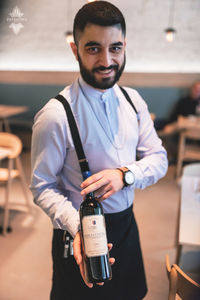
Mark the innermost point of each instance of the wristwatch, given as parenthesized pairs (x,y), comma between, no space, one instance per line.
(128,176)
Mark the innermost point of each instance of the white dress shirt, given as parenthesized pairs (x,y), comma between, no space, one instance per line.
(111,133)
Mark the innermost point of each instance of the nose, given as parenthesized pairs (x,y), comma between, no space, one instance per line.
(105,58)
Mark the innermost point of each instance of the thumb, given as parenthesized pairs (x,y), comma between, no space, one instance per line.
(77,248)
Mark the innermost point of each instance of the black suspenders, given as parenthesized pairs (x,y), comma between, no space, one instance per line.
(83,162)
(128,98)
(75,134)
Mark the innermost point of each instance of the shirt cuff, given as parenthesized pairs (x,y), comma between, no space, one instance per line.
(72,223)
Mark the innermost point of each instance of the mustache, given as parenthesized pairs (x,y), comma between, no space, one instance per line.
(102,68)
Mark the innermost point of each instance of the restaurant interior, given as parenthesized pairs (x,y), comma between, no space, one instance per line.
(162,64)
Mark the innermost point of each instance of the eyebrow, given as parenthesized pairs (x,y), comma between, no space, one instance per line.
(93,43)
(117,44)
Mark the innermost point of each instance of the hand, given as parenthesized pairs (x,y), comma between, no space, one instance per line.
(105,183)
(77,246)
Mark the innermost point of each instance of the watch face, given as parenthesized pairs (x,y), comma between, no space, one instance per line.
(129,177)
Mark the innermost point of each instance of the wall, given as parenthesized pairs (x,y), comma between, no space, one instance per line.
(160,100)
(41,45)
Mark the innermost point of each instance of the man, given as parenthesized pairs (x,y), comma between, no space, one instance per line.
(185,107)
(189,105)
(112,134)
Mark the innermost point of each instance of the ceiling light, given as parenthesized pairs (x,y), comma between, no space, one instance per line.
(170,31)
(170,34)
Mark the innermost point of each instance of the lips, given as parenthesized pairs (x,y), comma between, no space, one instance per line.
(104,70)
(105,73)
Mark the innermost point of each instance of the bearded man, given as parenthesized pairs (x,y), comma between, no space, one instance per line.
(114,132)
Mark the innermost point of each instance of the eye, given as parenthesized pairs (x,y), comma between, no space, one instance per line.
(115,49)
(92,50)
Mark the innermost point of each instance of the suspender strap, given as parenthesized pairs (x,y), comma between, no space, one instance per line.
(75,134)
(128,98)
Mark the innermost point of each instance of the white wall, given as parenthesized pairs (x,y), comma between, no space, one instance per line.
(40,45)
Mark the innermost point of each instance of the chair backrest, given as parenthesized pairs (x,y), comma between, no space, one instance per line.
(11,141)
(191,128)
(180,283)
(192,134)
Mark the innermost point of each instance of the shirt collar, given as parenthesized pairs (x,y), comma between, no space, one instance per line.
(93,93)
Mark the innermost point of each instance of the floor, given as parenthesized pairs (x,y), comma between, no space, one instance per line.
(25,253)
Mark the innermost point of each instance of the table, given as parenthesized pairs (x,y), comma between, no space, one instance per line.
(7,111)
(190,122)
(183,123)
(190,211)
(188,223)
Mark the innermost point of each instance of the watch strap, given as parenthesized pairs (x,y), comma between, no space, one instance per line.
(123,171)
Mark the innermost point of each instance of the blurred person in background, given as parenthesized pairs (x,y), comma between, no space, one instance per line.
(187,106)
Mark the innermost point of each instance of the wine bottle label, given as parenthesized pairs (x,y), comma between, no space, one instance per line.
(94,235)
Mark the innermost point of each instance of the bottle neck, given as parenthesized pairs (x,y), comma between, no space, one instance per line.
(90,195)
(86,175)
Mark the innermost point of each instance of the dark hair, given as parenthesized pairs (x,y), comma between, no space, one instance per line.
(101,13)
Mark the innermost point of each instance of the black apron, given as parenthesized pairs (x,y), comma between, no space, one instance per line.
(128,276)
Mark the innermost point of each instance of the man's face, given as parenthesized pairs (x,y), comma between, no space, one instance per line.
(196,91)
(101,55)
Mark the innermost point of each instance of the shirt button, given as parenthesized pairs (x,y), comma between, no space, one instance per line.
(103,97)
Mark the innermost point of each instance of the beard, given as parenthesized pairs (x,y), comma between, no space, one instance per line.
(104,83)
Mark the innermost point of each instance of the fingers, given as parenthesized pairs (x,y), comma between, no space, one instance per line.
(102,193)
(79,258)
(111,260)
(110,246)
(82,271)
(90,180)
(93,184)
(103,190)
(104,183)
(106,195)
(100,283)
(77,248)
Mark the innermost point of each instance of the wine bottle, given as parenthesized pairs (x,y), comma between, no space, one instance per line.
(94,240)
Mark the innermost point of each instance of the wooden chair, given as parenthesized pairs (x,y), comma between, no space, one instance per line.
(180,284)
(13,170)
(186,150)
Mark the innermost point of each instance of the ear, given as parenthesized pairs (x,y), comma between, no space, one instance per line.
(74,49)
